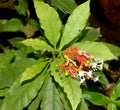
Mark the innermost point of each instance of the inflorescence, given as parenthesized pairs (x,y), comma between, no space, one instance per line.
(81,65)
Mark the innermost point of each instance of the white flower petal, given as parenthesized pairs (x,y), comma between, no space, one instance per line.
(81,73)
(89,73)
(82,80)
(96,79)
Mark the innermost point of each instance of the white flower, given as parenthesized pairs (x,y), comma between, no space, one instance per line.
(98,64)
(96,79)
(81,76)
(94,66)
(89,74)
(81,73)
(82,80)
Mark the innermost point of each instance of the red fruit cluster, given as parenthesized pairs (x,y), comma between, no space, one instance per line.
(70,67)
(75,61)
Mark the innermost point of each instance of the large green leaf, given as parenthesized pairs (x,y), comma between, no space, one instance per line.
(71,86)
(75,24)
(102,78)
(19,96)
(12,71)
(32,71)
(91,35)
(14,41)
(37,44)
(21,7)
(67,6)
(35,103)
(11,25)
(50,96)
(66,102)
(113,48)
(73,91)
(99,49)
(44,94)
(3,92)
(22,50)
(96,98)
(115,92)
(49,20)
(6,58)
(1,102)
(83,105)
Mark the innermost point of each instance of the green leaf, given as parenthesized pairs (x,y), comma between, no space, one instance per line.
(1,102)
(32,71)
(113,48)
(91,35)
(12,25)
(34,23)
(111,106)
(67,6)
(37,44)
(99,49)
(22,7)
(35,103)
(14,41)
(49,20)
(50,96)
(76,23)
(117,102)
(6,58)
(83,105)
(64,99)
(22,50)
(12,71)
(3,92)
(115,92)
(71,86)
(96,98)
(102,78)
(19,96)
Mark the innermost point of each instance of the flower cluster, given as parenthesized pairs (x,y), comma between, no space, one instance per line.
(79,64)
